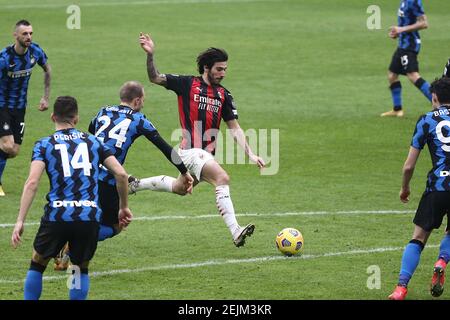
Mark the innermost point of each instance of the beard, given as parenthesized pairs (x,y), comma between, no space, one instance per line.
(24,44)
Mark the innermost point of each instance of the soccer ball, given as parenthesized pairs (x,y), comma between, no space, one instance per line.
(289,241)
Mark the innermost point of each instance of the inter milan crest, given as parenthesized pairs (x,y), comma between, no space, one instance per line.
(32,59)
(6,126)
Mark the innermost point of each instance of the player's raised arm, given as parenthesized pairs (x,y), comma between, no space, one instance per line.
(43,105)
(239,136)
(148,46)
(29,191)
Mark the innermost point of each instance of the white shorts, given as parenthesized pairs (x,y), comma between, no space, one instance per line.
(194,159)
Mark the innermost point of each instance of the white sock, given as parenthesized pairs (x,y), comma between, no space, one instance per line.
(158,183)
(226,209)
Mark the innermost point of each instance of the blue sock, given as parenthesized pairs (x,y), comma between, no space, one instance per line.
(444,250)
(396,92)
(82,291)
(33,285)
(410,261)
(423,86)
(105,232)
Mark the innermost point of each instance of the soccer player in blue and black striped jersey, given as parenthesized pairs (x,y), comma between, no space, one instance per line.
(118,126)
(411,19)
(16,64)
(432,129)
(72,161)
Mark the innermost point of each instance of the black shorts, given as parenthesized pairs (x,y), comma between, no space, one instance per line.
(82,237)
(431,211)
(108,199)
(404,61)
(12,123)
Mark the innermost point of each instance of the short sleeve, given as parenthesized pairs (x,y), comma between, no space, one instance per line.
(418,8)
(103,151)
(38,152)
(419,138)
(178,84)
(229,111)
(41,57)
(145,127)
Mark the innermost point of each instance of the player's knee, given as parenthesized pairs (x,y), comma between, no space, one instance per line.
(223,179)
(11,149)
(392,77)
(413,77)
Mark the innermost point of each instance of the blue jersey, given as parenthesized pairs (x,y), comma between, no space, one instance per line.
(117,127)
(15,73)
(408,13)
(433,129)
(72,160)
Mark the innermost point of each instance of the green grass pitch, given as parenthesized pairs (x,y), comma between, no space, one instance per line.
(310,69)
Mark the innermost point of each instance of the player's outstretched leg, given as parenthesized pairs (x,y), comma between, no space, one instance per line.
(158,183)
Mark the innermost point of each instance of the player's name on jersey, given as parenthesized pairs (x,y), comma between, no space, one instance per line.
(70,136)
(19,74)
(441,112)
(116,109)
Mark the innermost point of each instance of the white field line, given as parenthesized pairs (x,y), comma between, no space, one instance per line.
(273,214)
(124,3)
(221,263)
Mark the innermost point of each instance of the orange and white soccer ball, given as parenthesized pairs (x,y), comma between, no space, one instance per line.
(289,241)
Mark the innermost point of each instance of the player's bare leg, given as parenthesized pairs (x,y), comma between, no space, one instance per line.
(8,149)
(395,87)
(420,83)
(158,183)
(214,174)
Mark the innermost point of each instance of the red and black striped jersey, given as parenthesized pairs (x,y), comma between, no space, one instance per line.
(201,108)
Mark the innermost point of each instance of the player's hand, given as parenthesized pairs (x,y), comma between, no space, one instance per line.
(188,182)
(146,43)
(404,195)
(125,217)
(394,32)
(17,233)
(43,104)
(258,161)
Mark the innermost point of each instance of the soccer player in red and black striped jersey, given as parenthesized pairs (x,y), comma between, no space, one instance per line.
(202,104)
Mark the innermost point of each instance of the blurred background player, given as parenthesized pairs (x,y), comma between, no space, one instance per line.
(202,103)
(16,64)
(432,129)
(411,19)
(71,159)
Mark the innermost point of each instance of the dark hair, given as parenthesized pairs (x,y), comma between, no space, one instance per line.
(441,88)
(131,90)
(23,23)
(209,57)
(65,108)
